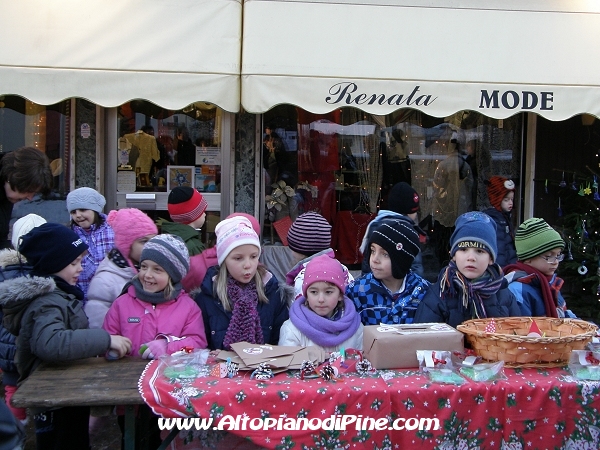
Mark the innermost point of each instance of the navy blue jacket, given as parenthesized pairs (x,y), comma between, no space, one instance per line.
(216,319)
(450,310)
(505,241)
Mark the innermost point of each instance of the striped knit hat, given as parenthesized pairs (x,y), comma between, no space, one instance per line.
(170,253)
(309,234)
(400,240)
(185,204)
(535,237)
(498,188)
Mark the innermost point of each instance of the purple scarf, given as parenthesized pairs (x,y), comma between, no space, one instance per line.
(322,330)
(245,322)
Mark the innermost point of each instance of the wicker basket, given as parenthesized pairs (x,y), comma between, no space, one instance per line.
(510,342)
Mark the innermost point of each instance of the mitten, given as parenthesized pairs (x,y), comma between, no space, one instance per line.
(154,349)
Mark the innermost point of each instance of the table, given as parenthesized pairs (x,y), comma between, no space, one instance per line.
(532,408)
(86,382)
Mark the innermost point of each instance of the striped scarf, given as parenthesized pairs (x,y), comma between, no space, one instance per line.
(473,292)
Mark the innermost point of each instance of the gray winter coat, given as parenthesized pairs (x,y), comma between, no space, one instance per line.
(50,324)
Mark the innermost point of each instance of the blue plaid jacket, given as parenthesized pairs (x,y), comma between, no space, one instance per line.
(375,304)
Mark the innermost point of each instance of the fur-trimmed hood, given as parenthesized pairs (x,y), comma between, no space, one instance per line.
(17,294)
(10,257)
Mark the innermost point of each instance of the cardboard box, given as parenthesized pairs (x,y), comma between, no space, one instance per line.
(395,346)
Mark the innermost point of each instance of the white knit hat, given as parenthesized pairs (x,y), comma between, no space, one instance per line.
(23,226)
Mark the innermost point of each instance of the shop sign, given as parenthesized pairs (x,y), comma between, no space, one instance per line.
(526,100)
(345,93)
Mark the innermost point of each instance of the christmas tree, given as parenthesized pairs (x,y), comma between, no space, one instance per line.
(578,211)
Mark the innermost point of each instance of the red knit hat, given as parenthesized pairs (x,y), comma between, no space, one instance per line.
(186,204)
(497,188)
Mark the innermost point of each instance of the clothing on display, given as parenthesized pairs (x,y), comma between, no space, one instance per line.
(146,148)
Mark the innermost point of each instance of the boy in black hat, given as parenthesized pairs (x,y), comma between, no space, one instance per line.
(391,292)
(45,312)
(403,201)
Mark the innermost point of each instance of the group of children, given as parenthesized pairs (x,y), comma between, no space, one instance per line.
(112,283)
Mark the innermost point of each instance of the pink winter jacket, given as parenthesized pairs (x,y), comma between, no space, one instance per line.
(199,264)
(142,322)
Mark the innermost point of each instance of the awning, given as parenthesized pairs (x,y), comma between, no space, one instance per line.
(170,52)
(497,57)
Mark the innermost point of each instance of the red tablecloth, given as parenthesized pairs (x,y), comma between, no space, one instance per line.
(532,409)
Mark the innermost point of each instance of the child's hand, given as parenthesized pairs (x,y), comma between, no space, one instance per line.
(120,344)
(154,349)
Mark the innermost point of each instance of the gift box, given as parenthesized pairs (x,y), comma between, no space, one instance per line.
(395,346)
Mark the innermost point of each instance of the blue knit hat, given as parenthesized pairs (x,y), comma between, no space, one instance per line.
(474,229)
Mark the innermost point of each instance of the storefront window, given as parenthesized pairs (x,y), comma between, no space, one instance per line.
(343,164)
(27,124)
(159,149)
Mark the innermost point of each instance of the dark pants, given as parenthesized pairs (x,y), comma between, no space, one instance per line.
(147,433)
(63,429)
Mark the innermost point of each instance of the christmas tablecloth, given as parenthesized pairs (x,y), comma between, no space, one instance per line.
(531,409)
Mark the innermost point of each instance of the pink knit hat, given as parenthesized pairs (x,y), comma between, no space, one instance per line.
(129,224)
(324,268)
(232,233)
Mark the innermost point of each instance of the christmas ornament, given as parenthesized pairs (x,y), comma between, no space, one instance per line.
(569,254)
(595,185)
(584,230)
(534,330)
(328,372)
(562,183)
(582,270)
(307,368)
(560,211)
(587,190)
(574,184)
(363,367)
(581,190)
(491,326)
(262,372)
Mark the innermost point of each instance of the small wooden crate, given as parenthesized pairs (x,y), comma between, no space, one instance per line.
(511,344)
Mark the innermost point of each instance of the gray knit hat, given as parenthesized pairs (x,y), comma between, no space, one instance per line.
(309,234)
(169,252)
(85,198)
(535,237)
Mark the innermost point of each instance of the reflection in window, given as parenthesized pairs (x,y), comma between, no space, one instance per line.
(159,149)
(27,124)
(343,164)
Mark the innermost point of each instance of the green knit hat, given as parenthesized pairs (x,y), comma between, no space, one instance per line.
(535,237)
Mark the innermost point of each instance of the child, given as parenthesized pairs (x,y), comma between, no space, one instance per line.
(45,313)
(391,292)
(187,208)
(13,265)
(532,279)
(132,228)
(309,237)
(155,312)
(87,220)
(323,315)
(403,200)
(471,286)
(501,192)
(240,300)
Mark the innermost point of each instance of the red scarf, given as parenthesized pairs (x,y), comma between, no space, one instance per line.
(550,303)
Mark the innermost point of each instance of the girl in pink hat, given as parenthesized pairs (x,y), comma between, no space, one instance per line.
(240,299)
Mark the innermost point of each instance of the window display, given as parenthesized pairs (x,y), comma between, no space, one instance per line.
(159,148)
(344,163)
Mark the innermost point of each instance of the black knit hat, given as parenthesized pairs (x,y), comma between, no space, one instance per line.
(309,234)
(403,199)
(51,247)
(400,240)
